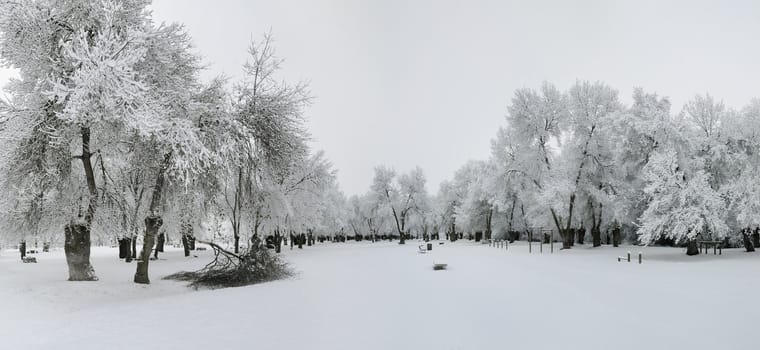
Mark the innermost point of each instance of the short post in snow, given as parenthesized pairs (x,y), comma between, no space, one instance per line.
(551,242)
(640,257)
(530,238)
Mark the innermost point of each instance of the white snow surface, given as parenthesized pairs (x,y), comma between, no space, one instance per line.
(364,295)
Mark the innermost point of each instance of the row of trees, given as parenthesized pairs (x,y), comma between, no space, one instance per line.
(581,161)
(109,132)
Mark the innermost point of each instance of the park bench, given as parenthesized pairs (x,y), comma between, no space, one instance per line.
(716,245)
(29,259)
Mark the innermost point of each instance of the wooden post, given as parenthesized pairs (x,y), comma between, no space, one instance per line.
(551,242)
(639,257)
(530,240)
(629,256)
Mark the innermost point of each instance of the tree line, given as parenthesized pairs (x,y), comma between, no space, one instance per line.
(580,161)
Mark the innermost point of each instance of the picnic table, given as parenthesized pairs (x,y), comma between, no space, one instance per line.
(716,245)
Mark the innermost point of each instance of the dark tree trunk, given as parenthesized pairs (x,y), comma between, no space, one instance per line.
(22,249)
(615,236)
(133,249)
(691,247)
(567,238)
(77,234)
(159,244)
(581,235)
(185,244)
(596,236)
(124,248)
(77,249)
(756,237)
(186,231)
(747,242)
(152,225)
(237,244)
(489,217)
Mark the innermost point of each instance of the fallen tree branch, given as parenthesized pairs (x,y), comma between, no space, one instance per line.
(216,246)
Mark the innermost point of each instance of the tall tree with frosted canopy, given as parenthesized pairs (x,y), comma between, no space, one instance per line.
(81,89)
(270,113)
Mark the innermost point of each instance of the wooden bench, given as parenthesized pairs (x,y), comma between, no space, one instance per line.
(716,245)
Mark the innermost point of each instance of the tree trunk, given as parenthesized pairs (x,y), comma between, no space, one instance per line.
(691,247)
(747,242)
(77,234)
(567,238)
(596,231)
(616,236)
(133,251)
(185,244)
(152,225)
(756,237)
(596,235)
(22,249)
(581,235)
(124,248)
(77,249)
(488,223)
(159,244)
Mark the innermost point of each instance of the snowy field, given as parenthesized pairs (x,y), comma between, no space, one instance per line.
(385,296)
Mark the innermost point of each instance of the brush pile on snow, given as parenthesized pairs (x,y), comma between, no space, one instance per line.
(254,265)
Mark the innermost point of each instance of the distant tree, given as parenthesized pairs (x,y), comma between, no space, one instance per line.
(400,194)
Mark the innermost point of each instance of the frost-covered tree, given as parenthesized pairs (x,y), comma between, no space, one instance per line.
(681,207)
(270,113)
(400,194)
(82,90)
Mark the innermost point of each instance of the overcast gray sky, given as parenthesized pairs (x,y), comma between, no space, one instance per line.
(405,83)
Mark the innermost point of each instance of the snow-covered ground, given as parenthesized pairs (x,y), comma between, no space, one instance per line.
(385,296)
